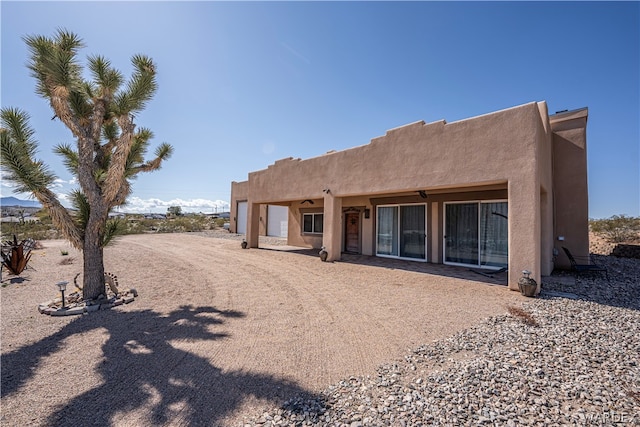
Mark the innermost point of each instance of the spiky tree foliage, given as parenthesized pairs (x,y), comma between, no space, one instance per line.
(108,151)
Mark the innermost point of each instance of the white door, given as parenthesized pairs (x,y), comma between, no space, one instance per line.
(241,215)
(277,220)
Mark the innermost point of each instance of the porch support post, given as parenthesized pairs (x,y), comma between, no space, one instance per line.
(332,226)
(524,231)
(253,224)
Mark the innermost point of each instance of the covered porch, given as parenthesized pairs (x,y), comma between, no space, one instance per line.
(463,226)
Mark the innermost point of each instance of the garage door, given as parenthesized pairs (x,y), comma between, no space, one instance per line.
(241,215)
(277,220)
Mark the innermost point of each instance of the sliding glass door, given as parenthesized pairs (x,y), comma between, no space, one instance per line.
(461,233)
(388,230)
(476,233)
(412,229)
(401,231)
(494,228)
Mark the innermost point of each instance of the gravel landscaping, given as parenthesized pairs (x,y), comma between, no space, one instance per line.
(570,357)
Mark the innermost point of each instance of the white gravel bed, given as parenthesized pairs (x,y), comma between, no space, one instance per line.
(573,358)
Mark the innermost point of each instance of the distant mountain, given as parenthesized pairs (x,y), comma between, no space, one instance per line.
(12,201)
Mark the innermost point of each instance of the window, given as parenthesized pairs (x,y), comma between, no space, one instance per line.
(312,222)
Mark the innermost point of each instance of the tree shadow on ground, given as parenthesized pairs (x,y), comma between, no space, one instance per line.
(142,367)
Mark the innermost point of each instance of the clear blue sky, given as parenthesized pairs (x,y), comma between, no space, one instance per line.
(244,84)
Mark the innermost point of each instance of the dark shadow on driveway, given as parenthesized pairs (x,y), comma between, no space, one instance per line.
(142,367)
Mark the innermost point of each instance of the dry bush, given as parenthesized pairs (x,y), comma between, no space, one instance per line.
(67,261)
(631,393)
(522,316)
(617,229)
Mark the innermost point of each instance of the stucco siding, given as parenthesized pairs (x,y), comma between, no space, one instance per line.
(534,162)
(239,193)
(492,148)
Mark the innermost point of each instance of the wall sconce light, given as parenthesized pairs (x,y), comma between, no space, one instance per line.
(62,286)
(367,213)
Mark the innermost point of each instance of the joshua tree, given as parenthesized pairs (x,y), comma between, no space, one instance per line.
(108,151)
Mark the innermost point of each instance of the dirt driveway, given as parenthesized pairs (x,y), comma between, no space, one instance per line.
(217,332)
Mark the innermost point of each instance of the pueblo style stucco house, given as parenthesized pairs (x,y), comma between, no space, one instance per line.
(502,190)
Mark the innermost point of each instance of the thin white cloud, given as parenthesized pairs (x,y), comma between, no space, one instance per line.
(58,183)
(296,53)
(268,147)
(64,199)
(4,182)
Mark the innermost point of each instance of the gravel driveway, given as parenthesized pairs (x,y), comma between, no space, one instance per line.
(217,333)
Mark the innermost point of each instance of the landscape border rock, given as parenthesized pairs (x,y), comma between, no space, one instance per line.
(626,251)
(74,305)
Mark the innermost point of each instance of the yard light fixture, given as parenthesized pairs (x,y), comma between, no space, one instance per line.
(62,286)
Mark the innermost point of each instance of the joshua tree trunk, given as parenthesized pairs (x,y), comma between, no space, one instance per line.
(93,283)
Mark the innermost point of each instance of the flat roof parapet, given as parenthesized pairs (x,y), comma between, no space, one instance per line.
(282,161)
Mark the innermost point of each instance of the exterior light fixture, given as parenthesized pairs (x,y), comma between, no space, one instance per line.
(62,286)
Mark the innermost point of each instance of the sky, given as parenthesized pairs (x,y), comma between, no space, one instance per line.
(243,84)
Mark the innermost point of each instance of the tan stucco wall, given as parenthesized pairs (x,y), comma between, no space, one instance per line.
(239,193)
(495,147)
(512,152)
(295,235)
(570,184)
(545,173)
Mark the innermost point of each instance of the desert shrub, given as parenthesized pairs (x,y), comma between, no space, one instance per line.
(522,316)
(185,224)
(37,230)
(67,261)
(618,228)
(138,225)
(132,224)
